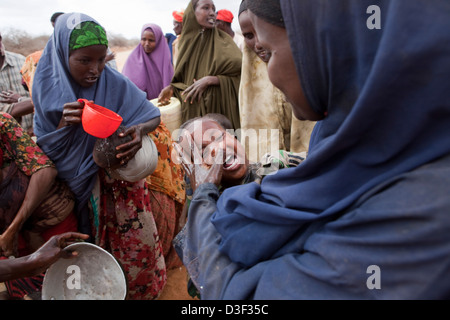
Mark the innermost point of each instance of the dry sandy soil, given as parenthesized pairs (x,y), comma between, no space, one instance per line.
(176,287)
(121,56)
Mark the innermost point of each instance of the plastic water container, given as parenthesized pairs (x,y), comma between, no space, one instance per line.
(170,114)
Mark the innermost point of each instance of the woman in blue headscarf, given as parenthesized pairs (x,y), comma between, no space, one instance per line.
(366,215)
(73,67)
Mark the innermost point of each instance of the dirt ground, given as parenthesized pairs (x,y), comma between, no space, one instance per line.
(121,56)
(176,287)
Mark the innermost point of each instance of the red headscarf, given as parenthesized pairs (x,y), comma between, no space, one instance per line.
(225,15)
(178,15)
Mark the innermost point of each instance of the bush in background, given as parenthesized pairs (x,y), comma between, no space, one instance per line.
(117,40)
(19,41)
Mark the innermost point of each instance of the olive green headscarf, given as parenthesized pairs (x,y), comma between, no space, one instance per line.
(209,52)
(87,34)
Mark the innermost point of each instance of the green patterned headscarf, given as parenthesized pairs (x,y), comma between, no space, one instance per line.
(87,34)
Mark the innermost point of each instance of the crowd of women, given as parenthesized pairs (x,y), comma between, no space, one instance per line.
(372,191)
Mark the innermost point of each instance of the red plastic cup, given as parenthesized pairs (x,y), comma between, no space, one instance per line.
(99,121)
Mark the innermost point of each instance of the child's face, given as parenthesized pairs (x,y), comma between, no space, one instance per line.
(206,133)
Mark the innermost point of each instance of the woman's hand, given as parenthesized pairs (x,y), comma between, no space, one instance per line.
(72,113)
(9,97)
(42,259)
(129,149)
(165,95)
(195,91)
(53,249)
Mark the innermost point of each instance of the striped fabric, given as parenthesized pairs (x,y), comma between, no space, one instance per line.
(11,79)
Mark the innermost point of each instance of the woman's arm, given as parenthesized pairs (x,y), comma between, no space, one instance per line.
(38,188)
(22,108)
(39,261)
(195,91)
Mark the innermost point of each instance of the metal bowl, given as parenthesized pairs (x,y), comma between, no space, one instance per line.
(92,275)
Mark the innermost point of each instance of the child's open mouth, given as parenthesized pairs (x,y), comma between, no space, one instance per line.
(231,163)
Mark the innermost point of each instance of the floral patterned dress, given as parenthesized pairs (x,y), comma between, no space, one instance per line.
(124,225)
(137,221)
(20,158)
(17,146)
(167,195)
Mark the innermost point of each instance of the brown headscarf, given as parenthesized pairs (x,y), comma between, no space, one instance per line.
(209,52)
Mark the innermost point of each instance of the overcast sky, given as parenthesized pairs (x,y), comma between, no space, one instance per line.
(125,17)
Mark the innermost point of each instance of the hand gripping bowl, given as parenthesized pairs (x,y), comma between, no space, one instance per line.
(92,275)
(99,121)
